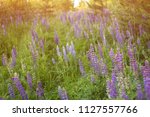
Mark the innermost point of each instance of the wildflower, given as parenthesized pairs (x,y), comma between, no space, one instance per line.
(40,90)
(111,86)
(146,76)
(62,93)
(81,68)
(119,61)
(20,88)
(29,80)
(133,62)
(11,91)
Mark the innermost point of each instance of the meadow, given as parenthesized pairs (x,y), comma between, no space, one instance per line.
(75,55)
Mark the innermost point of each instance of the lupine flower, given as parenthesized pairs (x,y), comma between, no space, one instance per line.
(146,76)
(119,61)
(111,86)
(133,62)
(56,38)
(34,36)
(93,59)
(11,91)
(29,80)
(82,71)
(119,36)
(65,54)
(40,90)
(34,53)
(62,93)
(14,55)
(4,60)
(20,88)
(140,95)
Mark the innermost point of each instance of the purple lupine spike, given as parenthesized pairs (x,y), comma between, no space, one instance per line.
(11,91)
(93,59)
(82,71)
(56,38)
(100,50)
(4,60)
(119,37)
(40,90)
(111,86)
(34,36)
(62,93)
(140,95)
(119,61)
(65,54)
(29,80)
(124,95)
(58,51)
(133,62)
(53,61)
(20,88)
(146,76)
(14,55)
